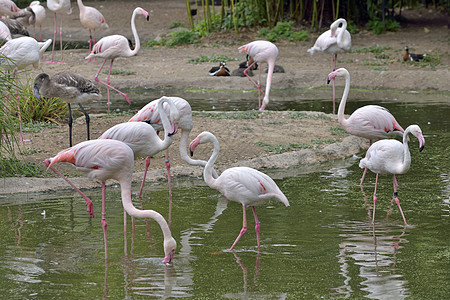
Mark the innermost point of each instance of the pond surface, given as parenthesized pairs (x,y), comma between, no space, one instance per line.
(322,246)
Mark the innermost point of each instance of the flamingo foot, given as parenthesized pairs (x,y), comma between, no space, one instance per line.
(243,231)
(399,207)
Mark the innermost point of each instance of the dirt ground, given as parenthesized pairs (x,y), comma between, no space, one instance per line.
(243,141)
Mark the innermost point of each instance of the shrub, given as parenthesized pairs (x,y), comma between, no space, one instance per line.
(283,30)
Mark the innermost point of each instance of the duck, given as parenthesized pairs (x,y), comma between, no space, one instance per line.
(221,70)
(411,56)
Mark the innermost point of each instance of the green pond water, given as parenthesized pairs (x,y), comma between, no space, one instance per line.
(321,247)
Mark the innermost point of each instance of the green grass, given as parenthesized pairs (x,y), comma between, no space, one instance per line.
(380,68)
(281,148)
(30,151)
(371,49)
(283,30)
(324,141)
(176,25)
(249,114)
(211,58)
(302,115)
(12,167)
(429,61)
(337,130)
(37,126)
(120,72)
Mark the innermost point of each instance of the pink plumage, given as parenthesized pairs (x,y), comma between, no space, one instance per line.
(244,185)
(91,19)
(391,157)
(261,52)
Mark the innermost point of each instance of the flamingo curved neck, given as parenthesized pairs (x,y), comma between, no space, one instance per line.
(268,82)
(340,35)
(125,186)
(406,154)
(342,120)
(81,5)
(137,45)
(166,123)
(207,172)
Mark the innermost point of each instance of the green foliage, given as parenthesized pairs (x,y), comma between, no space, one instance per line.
(283,30)
(302,115)
(324,141)
(181,37)
(119,72)
(11,167)
(378,27)
(429,61)
(176,25)
(211,58)
(280,148)
(337,130)
(372,49)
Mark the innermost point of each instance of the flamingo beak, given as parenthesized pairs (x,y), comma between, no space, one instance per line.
(193,145)
(174,128)
(168,258)
(36,92)
(421,142)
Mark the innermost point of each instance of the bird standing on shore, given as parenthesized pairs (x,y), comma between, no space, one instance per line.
(58,7)
(391,157)
(261,52)
(71,88)
(39,12)
(333,41)
(411,56)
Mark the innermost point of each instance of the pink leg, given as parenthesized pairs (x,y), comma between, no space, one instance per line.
(167,162)
(107,83)
(90,206)
(104,223)
(257,85)
(374,198)
(90,44)
(95,41)
(244,226)
(257,225)
(61,42)
(147,164)
(54,41)
(125,246)
(396,197)
(333,60)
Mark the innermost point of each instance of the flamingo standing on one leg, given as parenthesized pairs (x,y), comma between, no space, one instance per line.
(113,46)
(143,139)
(333,41)
(247,186)
(370,121)
(71,88)
(59,7)
(39,12)
(391,157)
(261,52)
(91,19)
(111,159)
(22,52)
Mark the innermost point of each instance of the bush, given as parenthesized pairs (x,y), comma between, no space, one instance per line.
(378,27)
(283,30)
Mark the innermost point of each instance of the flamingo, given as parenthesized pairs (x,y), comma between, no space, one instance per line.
(91,19)
(370,121)
(15,27)
(143,139)
(20,53)
(333,41)
(247,186)
(391,157)
(26,17)
(113,46)
(59,7)
(39,12)
(8,8)
(111,159)
(71,88)
(150,114)
(5,33)
(261,52)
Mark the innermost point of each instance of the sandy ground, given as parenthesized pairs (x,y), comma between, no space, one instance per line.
(241,139)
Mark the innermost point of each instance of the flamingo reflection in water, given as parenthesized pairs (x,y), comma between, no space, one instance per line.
(373,250)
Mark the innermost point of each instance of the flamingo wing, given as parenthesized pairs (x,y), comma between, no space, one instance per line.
(110,47)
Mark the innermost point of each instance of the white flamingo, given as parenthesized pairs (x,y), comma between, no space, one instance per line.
(58,7)
(39,12)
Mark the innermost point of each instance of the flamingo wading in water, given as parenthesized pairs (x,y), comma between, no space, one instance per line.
(58,7)
(244,185)
(71,88)
(91,19)
(261,52)
(113,46)
(143,139)
(370,121)
(391,157)
(333,41)
(111,159)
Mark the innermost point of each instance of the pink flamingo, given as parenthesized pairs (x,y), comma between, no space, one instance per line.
(71,88)
(391,157)
(91,19)
(143,139)
(370,121)
(247,186)
(261,52)
(111,159)
(39,12)
(333,41)
(21,53)
(59,7)
(8,8)
(113,46)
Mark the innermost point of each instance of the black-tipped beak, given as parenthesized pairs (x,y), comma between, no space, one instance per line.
(148,18)
(191,152)
(328,80)
(421,148)
(36,92)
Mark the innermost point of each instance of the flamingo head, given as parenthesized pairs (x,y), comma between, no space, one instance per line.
(143,12)
(417,132)
(170,245)
(174,128)
(338,72)
(202,138)
(38,82)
